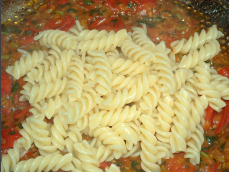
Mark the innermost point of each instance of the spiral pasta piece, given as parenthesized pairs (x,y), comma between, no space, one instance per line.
(125,96)
(86,155)
(57,37)
(137,53)
(75,79)
(221,84)
(58,133)
(76,29)
(183,46)
(76,110)
(198,106)
(165,74)
(52,162)
(112,168)
(148,144)
(149,101)
(26,63)
(38,92)
(126,67)
(194,145)
(206,52)
(106,43)
(139,36)
(103,73)
(72,138)
(92,34)
(110,118)
(181,75)
(206,88)
(180,121)
(127,133)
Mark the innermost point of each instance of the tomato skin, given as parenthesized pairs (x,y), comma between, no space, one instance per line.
(10,139)
(68,23)
(26,40)
(224,71)
(214,168)
(224,120)
(21,114)
(62,2)
(208,118)
(6,84)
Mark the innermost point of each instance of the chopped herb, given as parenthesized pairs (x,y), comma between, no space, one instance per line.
(118,163)
(117,3)
(179,16)
(115,21)
(12,132)
(72,10)
(76,17)
(3,122)
(206,148)
(204,154)
(4,126)
(175,31)
(15,87)
(20,126)
(97,11)
(27,32)
(5,33)
(5,56)
(62,6)
(50,171)
(164,162)
(222,146)
(88,2)
(32,13)
(60,12)
(14,44)
(210,139)
(124,169)
(34,22)
(129,5)
(134,165)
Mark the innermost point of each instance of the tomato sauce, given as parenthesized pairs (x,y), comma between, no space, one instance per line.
(165,21)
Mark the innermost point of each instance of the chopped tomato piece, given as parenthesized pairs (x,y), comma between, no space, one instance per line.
(62,2)
(223,120)
(26,40)
(68,23)
(208,118)
(6,84)
(179,164)
(224,71)
(103,165)
(100,23)
(21,114)
(10,139)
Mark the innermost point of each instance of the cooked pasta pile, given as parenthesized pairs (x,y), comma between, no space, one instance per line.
(127,93)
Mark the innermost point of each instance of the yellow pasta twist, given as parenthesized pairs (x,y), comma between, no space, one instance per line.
(103,73)
(137,53)
(106,43)
(38,92)
(87,156)
(180,121)
(183,46)
(148,144)
(46,163)
(139,36)
(92,34)
(57,37)
(75,79)
(109,118)
(194,145)
(26,63)
(206,52)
